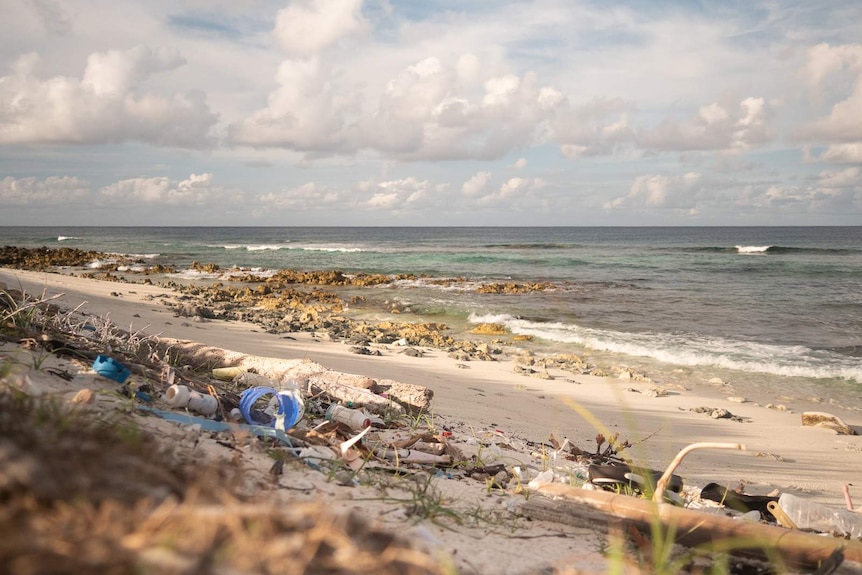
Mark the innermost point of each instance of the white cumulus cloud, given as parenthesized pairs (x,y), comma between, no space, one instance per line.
(850,153)
(197,189)
(47,191)
(306,112)
(827,70)
(306,27)
(106,105)
(716,126)
(660,191)
(476,184)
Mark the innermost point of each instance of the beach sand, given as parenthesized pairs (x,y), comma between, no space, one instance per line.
(481,399)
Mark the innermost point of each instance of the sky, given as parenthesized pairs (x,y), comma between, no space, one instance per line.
(430,113)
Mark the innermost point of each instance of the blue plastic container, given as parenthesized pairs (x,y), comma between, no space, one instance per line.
(111,368)
(290,406)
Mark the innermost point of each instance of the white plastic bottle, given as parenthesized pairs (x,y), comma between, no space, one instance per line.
(182,397)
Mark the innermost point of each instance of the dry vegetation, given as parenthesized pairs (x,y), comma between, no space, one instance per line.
(85,490)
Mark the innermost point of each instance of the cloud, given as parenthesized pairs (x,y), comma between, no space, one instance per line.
(117,72)
(476,184)
(196,190)
(308,196)
(53,15)
(598,127)
(825,61)
(388,196)
(842,124)
(395,195)
(48,191)
(514,193)
(716,126)
(613,107)
(848,178)
(306,112)
(829,193)
(105,106)
(306,27)
(429,110)
(829,69)
(512,186)
(843,154)
(660,191)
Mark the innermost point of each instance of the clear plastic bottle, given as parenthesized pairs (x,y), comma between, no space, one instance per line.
(807,514)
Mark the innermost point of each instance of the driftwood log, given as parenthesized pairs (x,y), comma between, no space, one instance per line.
(361,390)
(414,398)
(356,396)
(580,507)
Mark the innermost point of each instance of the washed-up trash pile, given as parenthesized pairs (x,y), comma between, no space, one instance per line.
(323,421)
(335,419)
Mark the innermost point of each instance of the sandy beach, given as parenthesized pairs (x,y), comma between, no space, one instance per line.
(488,398)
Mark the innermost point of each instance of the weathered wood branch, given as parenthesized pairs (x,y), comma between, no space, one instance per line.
(692,528)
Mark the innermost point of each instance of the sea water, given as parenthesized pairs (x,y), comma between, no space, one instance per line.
(776,310)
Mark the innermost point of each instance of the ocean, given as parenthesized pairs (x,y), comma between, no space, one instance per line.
(774,312)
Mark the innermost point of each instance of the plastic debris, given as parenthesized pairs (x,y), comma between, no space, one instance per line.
(353,418)
(182,397)
(807,514)
(111,368)
(227,373)
(741,502)
(284,410)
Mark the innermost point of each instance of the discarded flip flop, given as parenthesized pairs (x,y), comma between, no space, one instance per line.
(640,479)
(741,502)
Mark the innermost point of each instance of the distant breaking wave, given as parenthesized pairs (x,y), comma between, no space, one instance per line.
(276,247)
(753,249)
(692,349)
(536,246)
(340,249)
(772,249)
(67,238)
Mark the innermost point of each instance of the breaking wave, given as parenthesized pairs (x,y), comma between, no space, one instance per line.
(691,349)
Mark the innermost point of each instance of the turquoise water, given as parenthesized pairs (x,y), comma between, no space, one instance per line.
(771,306)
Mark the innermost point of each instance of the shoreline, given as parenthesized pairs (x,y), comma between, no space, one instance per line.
(493,412)
(490,394)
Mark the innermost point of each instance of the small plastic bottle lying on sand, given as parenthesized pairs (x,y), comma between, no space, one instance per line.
(810,515)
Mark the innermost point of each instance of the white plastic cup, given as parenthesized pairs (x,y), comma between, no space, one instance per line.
(352,418)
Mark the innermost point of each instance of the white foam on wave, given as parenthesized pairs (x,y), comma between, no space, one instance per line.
(195,274)
(99,264)
(142,256)
(298,247)
(67,238)
(442,284)
(264,247)
(250,247)
(325,248)
(502,318)
(692,349)
(244,272)
(752,249)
